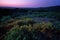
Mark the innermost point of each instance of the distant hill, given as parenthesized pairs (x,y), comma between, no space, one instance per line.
(53,8)
(10,10)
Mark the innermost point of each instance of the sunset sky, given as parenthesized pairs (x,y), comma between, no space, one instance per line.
(29,3)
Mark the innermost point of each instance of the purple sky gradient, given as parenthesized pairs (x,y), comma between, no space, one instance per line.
(29,3)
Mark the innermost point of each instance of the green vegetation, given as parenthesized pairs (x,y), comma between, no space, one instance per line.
(28,27)
(24,32)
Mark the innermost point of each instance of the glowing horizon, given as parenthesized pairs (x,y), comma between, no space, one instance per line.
(29,3)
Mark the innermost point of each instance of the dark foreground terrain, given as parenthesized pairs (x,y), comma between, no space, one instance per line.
(30,23)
